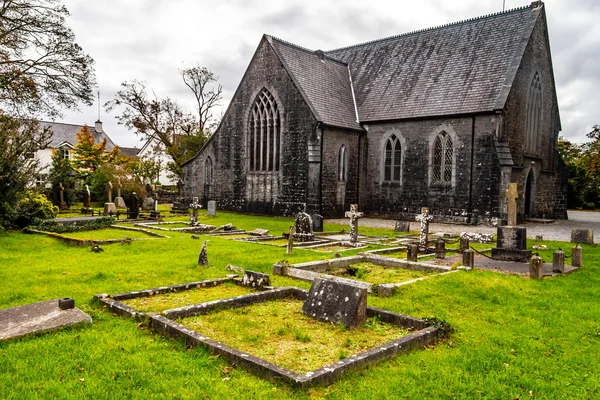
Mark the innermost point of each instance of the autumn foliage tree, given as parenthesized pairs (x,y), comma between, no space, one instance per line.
(89,155)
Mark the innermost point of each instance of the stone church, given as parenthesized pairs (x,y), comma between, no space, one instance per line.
(443,118)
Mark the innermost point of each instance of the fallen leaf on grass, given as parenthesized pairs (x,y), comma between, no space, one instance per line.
(226,378)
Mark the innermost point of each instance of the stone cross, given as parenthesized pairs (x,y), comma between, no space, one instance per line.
(63,205)
(109,191)
(86,197)
(290,243)
(354,215)
(511,200)
(425,219)
(118,187)
(195,206)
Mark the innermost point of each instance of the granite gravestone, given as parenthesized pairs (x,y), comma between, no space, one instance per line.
(304,227)
(256,280)
(585,236)
(317,222)
(336,302)
(402,226)
(212,208)
(511,244)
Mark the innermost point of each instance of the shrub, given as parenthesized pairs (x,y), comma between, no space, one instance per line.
(80,226)
(33,207)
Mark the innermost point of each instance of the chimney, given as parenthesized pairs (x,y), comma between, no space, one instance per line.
(98,126)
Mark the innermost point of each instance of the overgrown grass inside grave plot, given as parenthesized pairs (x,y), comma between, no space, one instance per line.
(168,226)
(376,274)
(103,234)
(167,301)
(327,249)
(278,332)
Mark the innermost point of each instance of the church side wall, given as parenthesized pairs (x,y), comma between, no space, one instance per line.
(545,165)
(236,188)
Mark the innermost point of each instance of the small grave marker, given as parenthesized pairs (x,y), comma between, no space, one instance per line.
(203,257)
(425,219)
(354,215)
(304,229)
(536,270)
(86,200)
(317,222)
(585,236)
(256,279)
(260,232)
(577,256)
(195,206)
(63,204)
(336,302)
(212,208)
(290,243)
(402,226)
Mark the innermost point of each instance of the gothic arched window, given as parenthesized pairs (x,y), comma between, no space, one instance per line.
(443,156)
(264,136)
(208,171)
(392,165)
(534,115)
(342,164)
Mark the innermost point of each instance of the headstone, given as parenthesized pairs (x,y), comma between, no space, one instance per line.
(134,210)
(259,232)
(412,252)
(317,223)
(511,195)
(148,188)
(354,215)
(402,226)
(63,203)
(86,199)
(440,248)
(203,258)
(148,204)
(256,279)
(110,209)
(212,208)
(40,317)
(425,219)
(304,225)
(468,258)
(584,236)
(558,261)
(119,202)
(109,192)
(577,256)
(155,214)
(536,270)
(511,244)
(290,243)
(336,302)
(195,206)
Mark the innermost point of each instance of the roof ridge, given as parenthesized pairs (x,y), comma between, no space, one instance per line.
(434,27)
(307,50)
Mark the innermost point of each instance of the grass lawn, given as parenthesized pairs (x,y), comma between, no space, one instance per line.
(514,337)
(376,274)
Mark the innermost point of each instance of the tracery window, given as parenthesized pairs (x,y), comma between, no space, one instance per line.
(208,171)
(443,155)
(342,164)
(264,136)
(392,160)
(534,115)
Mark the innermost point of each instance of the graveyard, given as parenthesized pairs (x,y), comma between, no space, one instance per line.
(165,321)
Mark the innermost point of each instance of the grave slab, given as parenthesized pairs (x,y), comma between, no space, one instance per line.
(256,279)
(35,318)
(336,302)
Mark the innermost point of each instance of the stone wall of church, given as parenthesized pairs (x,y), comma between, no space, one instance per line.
(236,188)
(472,195)
(338,194)
(549,188)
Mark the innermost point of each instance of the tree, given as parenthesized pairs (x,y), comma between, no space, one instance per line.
(42,69)
(89,156)
(62,172)
(207,97)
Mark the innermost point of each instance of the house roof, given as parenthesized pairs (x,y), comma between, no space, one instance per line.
(459,68)
(68,133)
(129,151)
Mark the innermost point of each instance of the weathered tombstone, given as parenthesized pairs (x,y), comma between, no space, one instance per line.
(86,200)
(336,302)
(109,207)
(354,215)
(317,223)
(134,210)
(303,223)
(290,243)
(195,206)
(412,252)
(259,232)
(584,236)
(425,219)
(511,195)
(63,203)
(468,258)
(256,279)
(402,226)
(203,257)
(109,187)
(536,270)
(440,248)
(148,204)
(558,261)
(577,256)
(119,202)
(511,244)
(40,317)
(212,208)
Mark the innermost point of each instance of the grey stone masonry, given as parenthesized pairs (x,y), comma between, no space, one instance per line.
(336,302)
(256,279)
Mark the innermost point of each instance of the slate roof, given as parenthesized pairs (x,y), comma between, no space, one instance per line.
(129,151)
(67,133)
(460,68)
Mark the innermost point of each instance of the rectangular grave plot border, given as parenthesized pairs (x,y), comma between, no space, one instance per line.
(426,335)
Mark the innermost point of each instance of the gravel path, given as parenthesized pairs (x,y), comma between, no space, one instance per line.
(557,230)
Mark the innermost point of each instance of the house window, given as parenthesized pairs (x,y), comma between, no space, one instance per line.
(392,167)
(208,171)
(342,164)
(443,156)
(40,179)
(64,153)
(264,136)
(534,115)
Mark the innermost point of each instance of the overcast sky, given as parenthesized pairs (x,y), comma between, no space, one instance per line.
(150,40)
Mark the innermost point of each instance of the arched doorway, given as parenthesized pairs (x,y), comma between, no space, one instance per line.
(529,194)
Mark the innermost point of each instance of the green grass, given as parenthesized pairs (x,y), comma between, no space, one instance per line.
(103,234)
(278,332)
(368,272)
(513,335)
